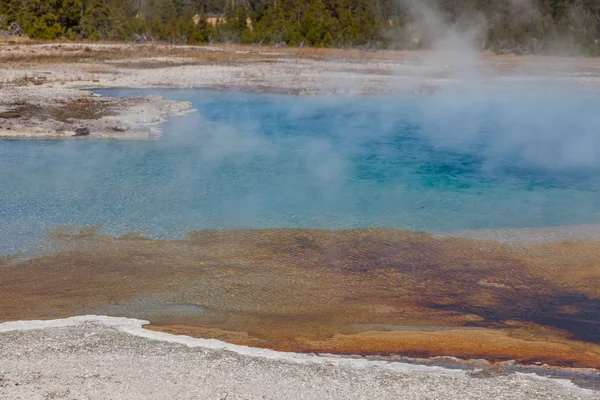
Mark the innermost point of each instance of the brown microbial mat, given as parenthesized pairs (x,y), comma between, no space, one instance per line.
(363,291)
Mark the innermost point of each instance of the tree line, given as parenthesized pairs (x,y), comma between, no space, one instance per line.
(521,26)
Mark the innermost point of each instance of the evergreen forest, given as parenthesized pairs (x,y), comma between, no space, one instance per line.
(515,26)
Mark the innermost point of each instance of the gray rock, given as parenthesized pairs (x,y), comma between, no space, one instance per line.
(82,131)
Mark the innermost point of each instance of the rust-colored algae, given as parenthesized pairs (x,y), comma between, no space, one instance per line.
(365,291)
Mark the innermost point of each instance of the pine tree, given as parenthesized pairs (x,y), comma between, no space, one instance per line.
(70,13)
(229,13)
(327,40)
(185,28)
(171,31)
(368,25)
(312,24)
(96,21)
(178,8)
(241,19)
(201,33)
(38,18)
(157,28)
(11,10)
(280,24)
(120,28)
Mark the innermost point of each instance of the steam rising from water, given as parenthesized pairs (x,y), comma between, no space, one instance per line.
(460,38)
(467,158)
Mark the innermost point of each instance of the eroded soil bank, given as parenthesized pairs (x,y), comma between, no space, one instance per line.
(364,291)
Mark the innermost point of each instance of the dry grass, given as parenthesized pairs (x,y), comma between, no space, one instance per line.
(27,79)
(64,112)
(66,52)
(81,109)
(27,51)
(126,56)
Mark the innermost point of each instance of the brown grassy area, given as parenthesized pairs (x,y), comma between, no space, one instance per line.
(24,53)
(81,109)
(60,51)
(78,109)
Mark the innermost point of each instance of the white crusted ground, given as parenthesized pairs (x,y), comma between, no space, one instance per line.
(43,74)
(114,358)
(128,118)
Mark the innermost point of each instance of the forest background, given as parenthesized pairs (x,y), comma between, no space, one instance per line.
(503,26)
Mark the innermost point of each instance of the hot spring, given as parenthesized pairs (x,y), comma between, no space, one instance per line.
(513,158)
(324,224)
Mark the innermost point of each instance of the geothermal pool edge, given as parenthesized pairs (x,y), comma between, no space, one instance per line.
(123,348)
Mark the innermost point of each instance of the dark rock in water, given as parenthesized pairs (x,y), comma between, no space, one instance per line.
(83,131)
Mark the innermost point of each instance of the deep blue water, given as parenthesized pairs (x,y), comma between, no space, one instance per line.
(516,157)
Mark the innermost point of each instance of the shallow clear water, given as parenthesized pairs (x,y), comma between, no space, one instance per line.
(517,157)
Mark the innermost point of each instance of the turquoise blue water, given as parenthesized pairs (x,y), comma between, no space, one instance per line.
(517,157)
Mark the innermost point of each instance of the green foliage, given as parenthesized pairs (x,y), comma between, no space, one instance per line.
(313,23)
(119,28)
(96,21)
(230,16)
(39,18)
(247,36)
(571,26)
(185,29)
(209,6)
(240,21)
(158,28)
(203,31)
(327,39)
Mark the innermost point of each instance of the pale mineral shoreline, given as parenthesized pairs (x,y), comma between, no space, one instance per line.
(53,79)
(98,357)
(58,113)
